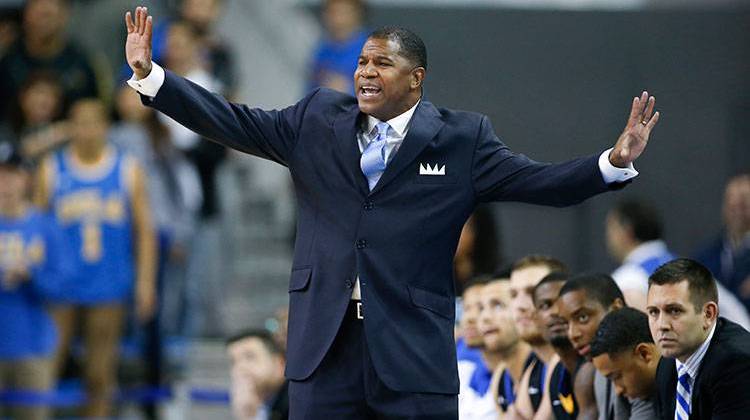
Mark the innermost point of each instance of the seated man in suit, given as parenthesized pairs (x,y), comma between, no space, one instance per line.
(584,301)
(705,367)
(624,352)
(384,183)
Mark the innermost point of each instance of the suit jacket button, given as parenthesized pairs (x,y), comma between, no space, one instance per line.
(349,284)
(369,205)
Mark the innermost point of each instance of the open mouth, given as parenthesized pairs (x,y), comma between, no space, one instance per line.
(583,350)
(369,91)
(490,332)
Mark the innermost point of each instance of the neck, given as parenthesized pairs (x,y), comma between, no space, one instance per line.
(568,356)
(515,359)
(89,154)
(706,333)
(544,351)
(627,249)
(44,47)
(14,209)
(736,238)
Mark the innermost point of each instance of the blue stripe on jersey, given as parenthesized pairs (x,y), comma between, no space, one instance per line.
(651,264)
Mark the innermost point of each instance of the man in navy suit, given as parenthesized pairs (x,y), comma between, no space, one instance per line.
(704,372)
(384,183)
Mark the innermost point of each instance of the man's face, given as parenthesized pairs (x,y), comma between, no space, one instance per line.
(737,205)
(522,283)
(45,18)
(677,328)
(341,18)
(470,318)
(553,326)
(633,373)
(89,124)
(583,316)
(617,237)
(250,358)
(386,83)
(13,183)
(495,317)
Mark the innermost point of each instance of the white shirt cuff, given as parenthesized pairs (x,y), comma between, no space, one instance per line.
(149,85)
(611,173)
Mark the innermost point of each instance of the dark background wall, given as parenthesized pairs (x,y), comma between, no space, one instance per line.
(559,84)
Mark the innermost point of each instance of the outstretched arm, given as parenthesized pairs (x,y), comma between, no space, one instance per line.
(267,134)
(501,175)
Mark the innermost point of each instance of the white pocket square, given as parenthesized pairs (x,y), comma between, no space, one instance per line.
(430,170)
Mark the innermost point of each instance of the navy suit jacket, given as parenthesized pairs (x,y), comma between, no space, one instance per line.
(400,238)
(720,390)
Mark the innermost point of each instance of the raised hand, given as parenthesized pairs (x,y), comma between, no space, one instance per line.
(634,138)
(138,44)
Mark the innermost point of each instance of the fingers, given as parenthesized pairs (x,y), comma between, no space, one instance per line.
(652,122)
(148,32)
(129,22)
(142,20)
(649,109)
(634,112)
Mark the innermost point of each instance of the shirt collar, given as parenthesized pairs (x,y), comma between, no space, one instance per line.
(646,250)
(399,124)
(693,362)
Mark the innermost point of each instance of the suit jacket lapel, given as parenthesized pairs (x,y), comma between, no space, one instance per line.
(423,127)
(345,127)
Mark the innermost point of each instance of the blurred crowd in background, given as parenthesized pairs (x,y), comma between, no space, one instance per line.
(113,246)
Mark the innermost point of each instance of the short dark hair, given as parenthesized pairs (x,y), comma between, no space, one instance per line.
(553,277)
(641,217)
(598,286)
(503,272)
(701,284)
(410,44)
(544,260)
(621,330)
(477,281)
(264,336)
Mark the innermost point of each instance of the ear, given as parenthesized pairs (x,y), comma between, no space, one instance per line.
(617,304)
(417,77)
(643,352)
(710,313)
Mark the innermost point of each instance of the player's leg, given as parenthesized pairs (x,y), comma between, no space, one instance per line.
(102,331)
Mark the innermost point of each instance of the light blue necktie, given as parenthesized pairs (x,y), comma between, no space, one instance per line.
(682,405)
(373,157)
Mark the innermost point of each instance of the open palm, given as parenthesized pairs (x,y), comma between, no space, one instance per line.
(138,43)
(634,138)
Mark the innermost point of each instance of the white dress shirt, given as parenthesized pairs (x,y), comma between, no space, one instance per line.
(150,85)
(693,363)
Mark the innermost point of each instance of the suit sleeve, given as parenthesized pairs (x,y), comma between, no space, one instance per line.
(729,392)
(501,175)
(268,134)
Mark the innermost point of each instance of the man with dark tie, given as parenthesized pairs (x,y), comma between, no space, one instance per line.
(705,367)
(384,183)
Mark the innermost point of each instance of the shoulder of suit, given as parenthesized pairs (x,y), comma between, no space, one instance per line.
(730,344)
(456,115)
(325,96)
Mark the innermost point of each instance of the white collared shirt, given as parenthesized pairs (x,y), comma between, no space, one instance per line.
(693,363)
(150,85)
